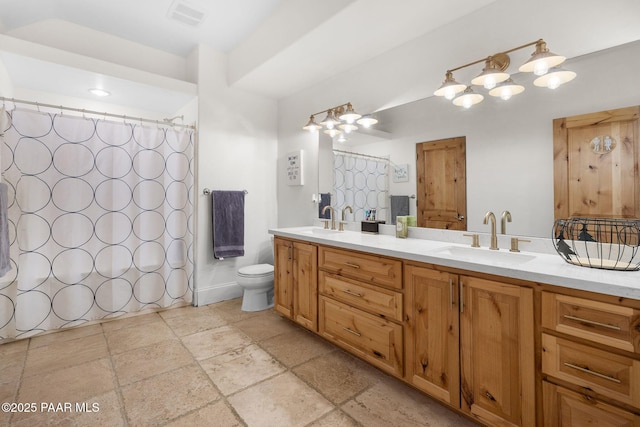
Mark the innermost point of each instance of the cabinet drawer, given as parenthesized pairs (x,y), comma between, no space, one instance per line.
(376,340)
(605,323)
(380,301)
(608,374)
(565,408)
(369,268)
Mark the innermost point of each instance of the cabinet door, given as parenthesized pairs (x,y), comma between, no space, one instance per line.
(497,352)
(305,285)
(565,408)
(283,277)
(432,353)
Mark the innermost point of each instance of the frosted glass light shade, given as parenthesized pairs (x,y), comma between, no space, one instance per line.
(367,121)
(330,121)
(554,78)
(332,132)
(450,87)
(311,125)
(506,89)
(348,128)
(350,115)
(490,76)
(468,98)
(541,60)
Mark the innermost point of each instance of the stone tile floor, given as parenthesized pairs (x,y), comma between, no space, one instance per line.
(202,366)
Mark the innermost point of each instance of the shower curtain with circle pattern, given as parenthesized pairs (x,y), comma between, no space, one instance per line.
(362,183)
(100,220)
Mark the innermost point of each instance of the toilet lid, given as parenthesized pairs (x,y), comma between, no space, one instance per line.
(256,270)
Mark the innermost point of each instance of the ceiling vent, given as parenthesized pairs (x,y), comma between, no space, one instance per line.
(186,12)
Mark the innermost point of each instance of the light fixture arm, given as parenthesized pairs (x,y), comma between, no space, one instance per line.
(337,107)
(538,42)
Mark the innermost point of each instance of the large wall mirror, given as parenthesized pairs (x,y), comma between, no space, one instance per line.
(509,144)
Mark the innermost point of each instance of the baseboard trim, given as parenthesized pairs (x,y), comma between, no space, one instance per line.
(223,292)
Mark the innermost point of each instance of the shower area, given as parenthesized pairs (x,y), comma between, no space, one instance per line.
(362,182)
(101,215)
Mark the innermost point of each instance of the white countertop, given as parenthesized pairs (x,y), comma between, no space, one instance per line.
(532,266)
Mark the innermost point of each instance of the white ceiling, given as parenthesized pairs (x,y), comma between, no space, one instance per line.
(268,41)
(226,22)
(278,47)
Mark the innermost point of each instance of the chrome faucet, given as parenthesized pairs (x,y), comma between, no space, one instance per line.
(506,217)
(332,214)
(494,239)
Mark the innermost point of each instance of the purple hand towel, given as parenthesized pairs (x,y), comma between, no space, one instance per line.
(228,223)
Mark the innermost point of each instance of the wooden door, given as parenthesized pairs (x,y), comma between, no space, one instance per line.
(283,277)
(432,352)
(596,164)
(305,285)
(497,352)
(442,184)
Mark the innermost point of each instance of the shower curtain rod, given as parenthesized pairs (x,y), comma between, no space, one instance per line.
(362,155)
(165,122)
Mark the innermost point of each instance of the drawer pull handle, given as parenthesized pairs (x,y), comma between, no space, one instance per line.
(350,292)
(589,371)
(592,322)
(351,331)
(352,265)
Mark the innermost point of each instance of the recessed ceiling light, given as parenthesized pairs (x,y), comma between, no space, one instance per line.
(99,92)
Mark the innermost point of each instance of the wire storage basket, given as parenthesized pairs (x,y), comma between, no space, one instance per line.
(610,244)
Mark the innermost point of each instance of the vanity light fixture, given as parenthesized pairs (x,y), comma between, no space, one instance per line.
(339,119)
(494,77)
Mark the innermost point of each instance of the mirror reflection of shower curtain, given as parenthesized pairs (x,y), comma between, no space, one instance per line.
(362,183)
(100,220)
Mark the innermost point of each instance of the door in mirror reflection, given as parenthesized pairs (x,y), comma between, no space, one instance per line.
(596,159)
(442,194)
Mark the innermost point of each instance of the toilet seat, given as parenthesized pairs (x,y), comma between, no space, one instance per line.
(257,270)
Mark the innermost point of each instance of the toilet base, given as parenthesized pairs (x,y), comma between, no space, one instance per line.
(257,299)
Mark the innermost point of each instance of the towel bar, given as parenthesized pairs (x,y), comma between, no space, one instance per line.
(413,196)
(206,192)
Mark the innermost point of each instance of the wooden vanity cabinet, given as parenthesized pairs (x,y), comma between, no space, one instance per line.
(497,372)
(361,306)
(470,343)
(432,351)
(296,281)
(590,362)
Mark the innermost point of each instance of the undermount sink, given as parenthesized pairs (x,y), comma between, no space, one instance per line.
(320,231)
(484,255)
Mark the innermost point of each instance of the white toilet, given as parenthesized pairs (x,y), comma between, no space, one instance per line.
(257,282)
